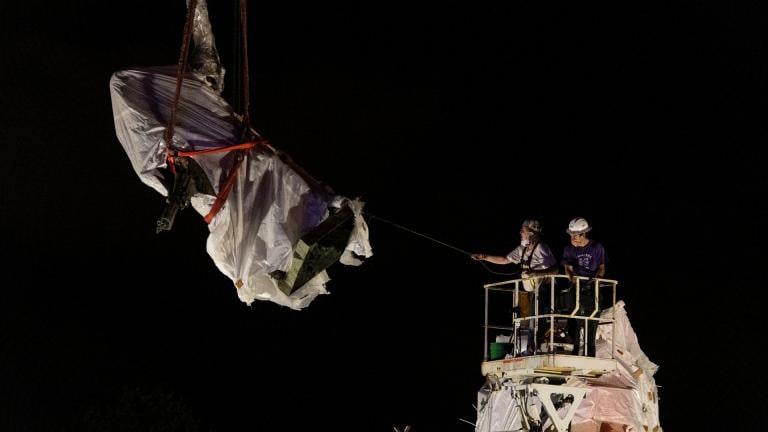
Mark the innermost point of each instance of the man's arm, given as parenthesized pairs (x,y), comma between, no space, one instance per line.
(600,270)
(496,259)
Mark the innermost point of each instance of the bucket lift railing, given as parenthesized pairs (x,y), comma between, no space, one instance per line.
(513,287)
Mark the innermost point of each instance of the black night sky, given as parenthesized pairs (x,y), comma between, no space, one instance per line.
(457,120)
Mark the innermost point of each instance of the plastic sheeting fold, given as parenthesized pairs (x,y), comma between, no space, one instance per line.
(625,399)
(270,205)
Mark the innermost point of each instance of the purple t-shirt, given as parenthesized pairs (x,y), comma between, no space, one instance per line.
(585,260)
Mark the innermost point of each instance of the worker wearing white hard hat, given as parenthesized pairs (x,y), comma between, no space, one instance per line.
(586,258)
(583,257)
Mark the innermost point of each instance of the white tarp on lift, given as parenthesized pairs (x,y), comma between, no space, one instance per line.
(270,206)
(625,400)
(627,397)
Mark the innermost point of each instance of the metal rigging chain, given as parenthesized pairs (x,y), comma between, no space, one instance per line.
(372,216)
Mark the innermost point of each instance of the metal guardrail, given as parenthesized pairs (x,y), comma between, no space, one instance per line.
(513,287)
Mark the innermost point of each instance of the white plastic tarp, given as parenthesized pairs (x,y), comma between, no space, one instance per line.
(269,207)
(626,398)
(497,411)
(636,405)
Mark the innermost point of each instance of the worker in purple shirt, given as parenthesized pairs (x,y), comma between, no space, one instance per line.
(584,257)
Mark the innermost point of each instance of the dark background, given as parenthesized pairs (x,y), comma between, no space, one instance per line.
(456,120)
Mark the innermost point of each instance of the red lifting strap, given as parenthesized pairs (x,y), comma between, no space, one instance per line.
(172,154)
(239,148)
(224,191)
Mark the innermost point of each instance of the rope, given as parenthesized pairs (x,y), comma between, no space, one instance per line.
(499,273)
(237,149)
(418,234)
(372,216)
(180,71)
(244,59)
(332,229)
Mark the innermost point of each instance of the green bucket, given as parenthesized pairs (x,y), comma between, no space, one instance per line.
(499,350)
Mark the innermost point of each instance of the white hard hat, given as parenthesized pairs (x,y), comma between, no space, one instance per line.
(578,226)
